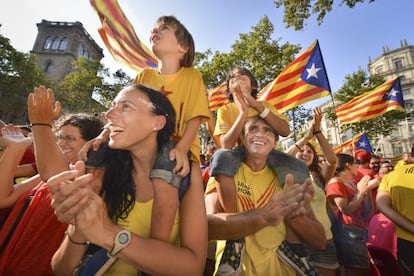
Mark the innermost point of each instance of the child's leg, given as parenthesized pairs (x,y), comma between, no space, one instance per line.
(283,164)
(165,185)
(224,165)
(163,209)
(226,192)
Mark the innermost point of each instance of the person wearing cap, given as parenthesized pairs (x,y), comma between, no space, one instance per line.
(362,159)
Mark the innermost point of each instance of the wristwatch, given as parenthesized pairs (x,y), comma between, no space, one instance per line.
(122,239)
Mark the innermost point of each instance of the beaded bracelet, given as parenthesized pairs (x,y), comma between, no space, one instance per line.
(317,132)
(40,124)
(75,242)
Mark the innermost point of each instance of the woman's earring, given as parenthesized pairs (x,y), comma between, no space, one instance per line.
(154,129)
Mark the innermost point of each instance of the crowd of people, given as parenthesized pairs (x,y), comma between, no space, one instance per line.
(129,193)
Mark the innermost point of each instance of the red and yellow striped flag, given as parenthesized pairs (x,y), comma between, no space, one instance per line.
(386,97)
(348,145)
(303,80)
(217,96)
(120,38)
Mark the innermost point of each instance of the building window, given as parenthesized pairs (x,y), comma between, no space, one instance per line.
(48,65)
(56,43)
(63,44)
(83,52)
(406,92)
(48,43)
(378,70)
(398,64)
(408,104)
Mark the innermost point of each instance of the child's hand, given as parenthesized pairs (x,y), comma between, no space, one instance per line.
(182,168)
(94,144)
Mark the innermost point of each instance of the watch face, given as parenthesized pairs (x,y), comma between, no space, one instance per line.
(123,238)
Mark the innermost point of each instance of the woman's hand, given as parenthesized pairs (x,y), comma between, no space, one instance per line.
(363,184)
(70,191)
(42,107)
(93,144)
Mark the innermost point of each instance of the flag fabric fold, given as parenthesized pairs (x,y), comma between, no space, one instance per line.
(386,97)
(217,96)
(120,38)
(303,80)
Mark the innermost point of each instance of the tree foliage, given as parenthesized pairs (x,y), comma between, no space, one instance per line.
(76,89)
(256,50)
(298,117)
(18,76)
(355,85)
(297,11)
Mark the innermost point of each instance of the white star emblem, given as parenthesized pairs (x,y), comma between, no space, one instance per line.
(393,92)
(313,71)
(362,144)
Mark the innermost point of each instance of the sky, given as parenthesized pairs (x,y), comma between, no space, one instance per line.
(347,37)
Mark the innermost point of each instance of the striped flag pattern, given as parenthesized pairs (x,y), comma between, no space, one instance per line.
(217,97)
(120,38)
(348,144)
(386,97)
(303,80)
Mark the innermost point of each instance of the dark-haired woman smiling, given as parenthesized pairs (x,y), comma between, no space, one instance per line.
(140,121)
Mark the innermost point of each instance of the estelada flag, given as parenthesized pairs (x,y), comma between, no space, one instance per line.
(363,144)
(348,145)
(217,96)
(120,38)
(303,80)
(386,97)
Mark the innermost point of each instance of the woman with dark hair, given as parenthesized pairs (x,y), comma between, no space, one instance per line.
(140,122)
(325,261)
(352,207)
(31,233)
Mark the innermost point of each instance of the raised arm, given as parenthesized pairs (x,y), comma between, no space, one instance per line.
(16,145)
(43,109)
(329,167)
(229,139)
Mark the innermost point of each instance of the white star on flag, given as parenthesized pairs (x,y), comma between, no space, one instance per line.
(362,144)
(313,71)
(393,92)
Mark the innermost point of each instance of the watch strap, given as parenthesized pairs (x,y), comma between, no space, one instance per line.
(122,239)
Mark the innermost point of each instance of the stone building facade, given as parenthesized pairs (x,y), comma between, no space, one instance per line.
(58,44)
(397,63)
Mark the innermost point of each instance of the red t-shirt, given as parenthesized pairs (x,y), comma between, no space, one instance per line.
(35,239)
(28,157)
(334,189)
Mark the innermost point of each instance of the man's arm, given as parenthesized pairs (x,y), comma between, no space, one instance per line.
(384,204)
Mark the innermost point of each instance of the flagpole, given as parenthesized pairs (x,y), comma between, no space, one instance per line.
(333,102)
